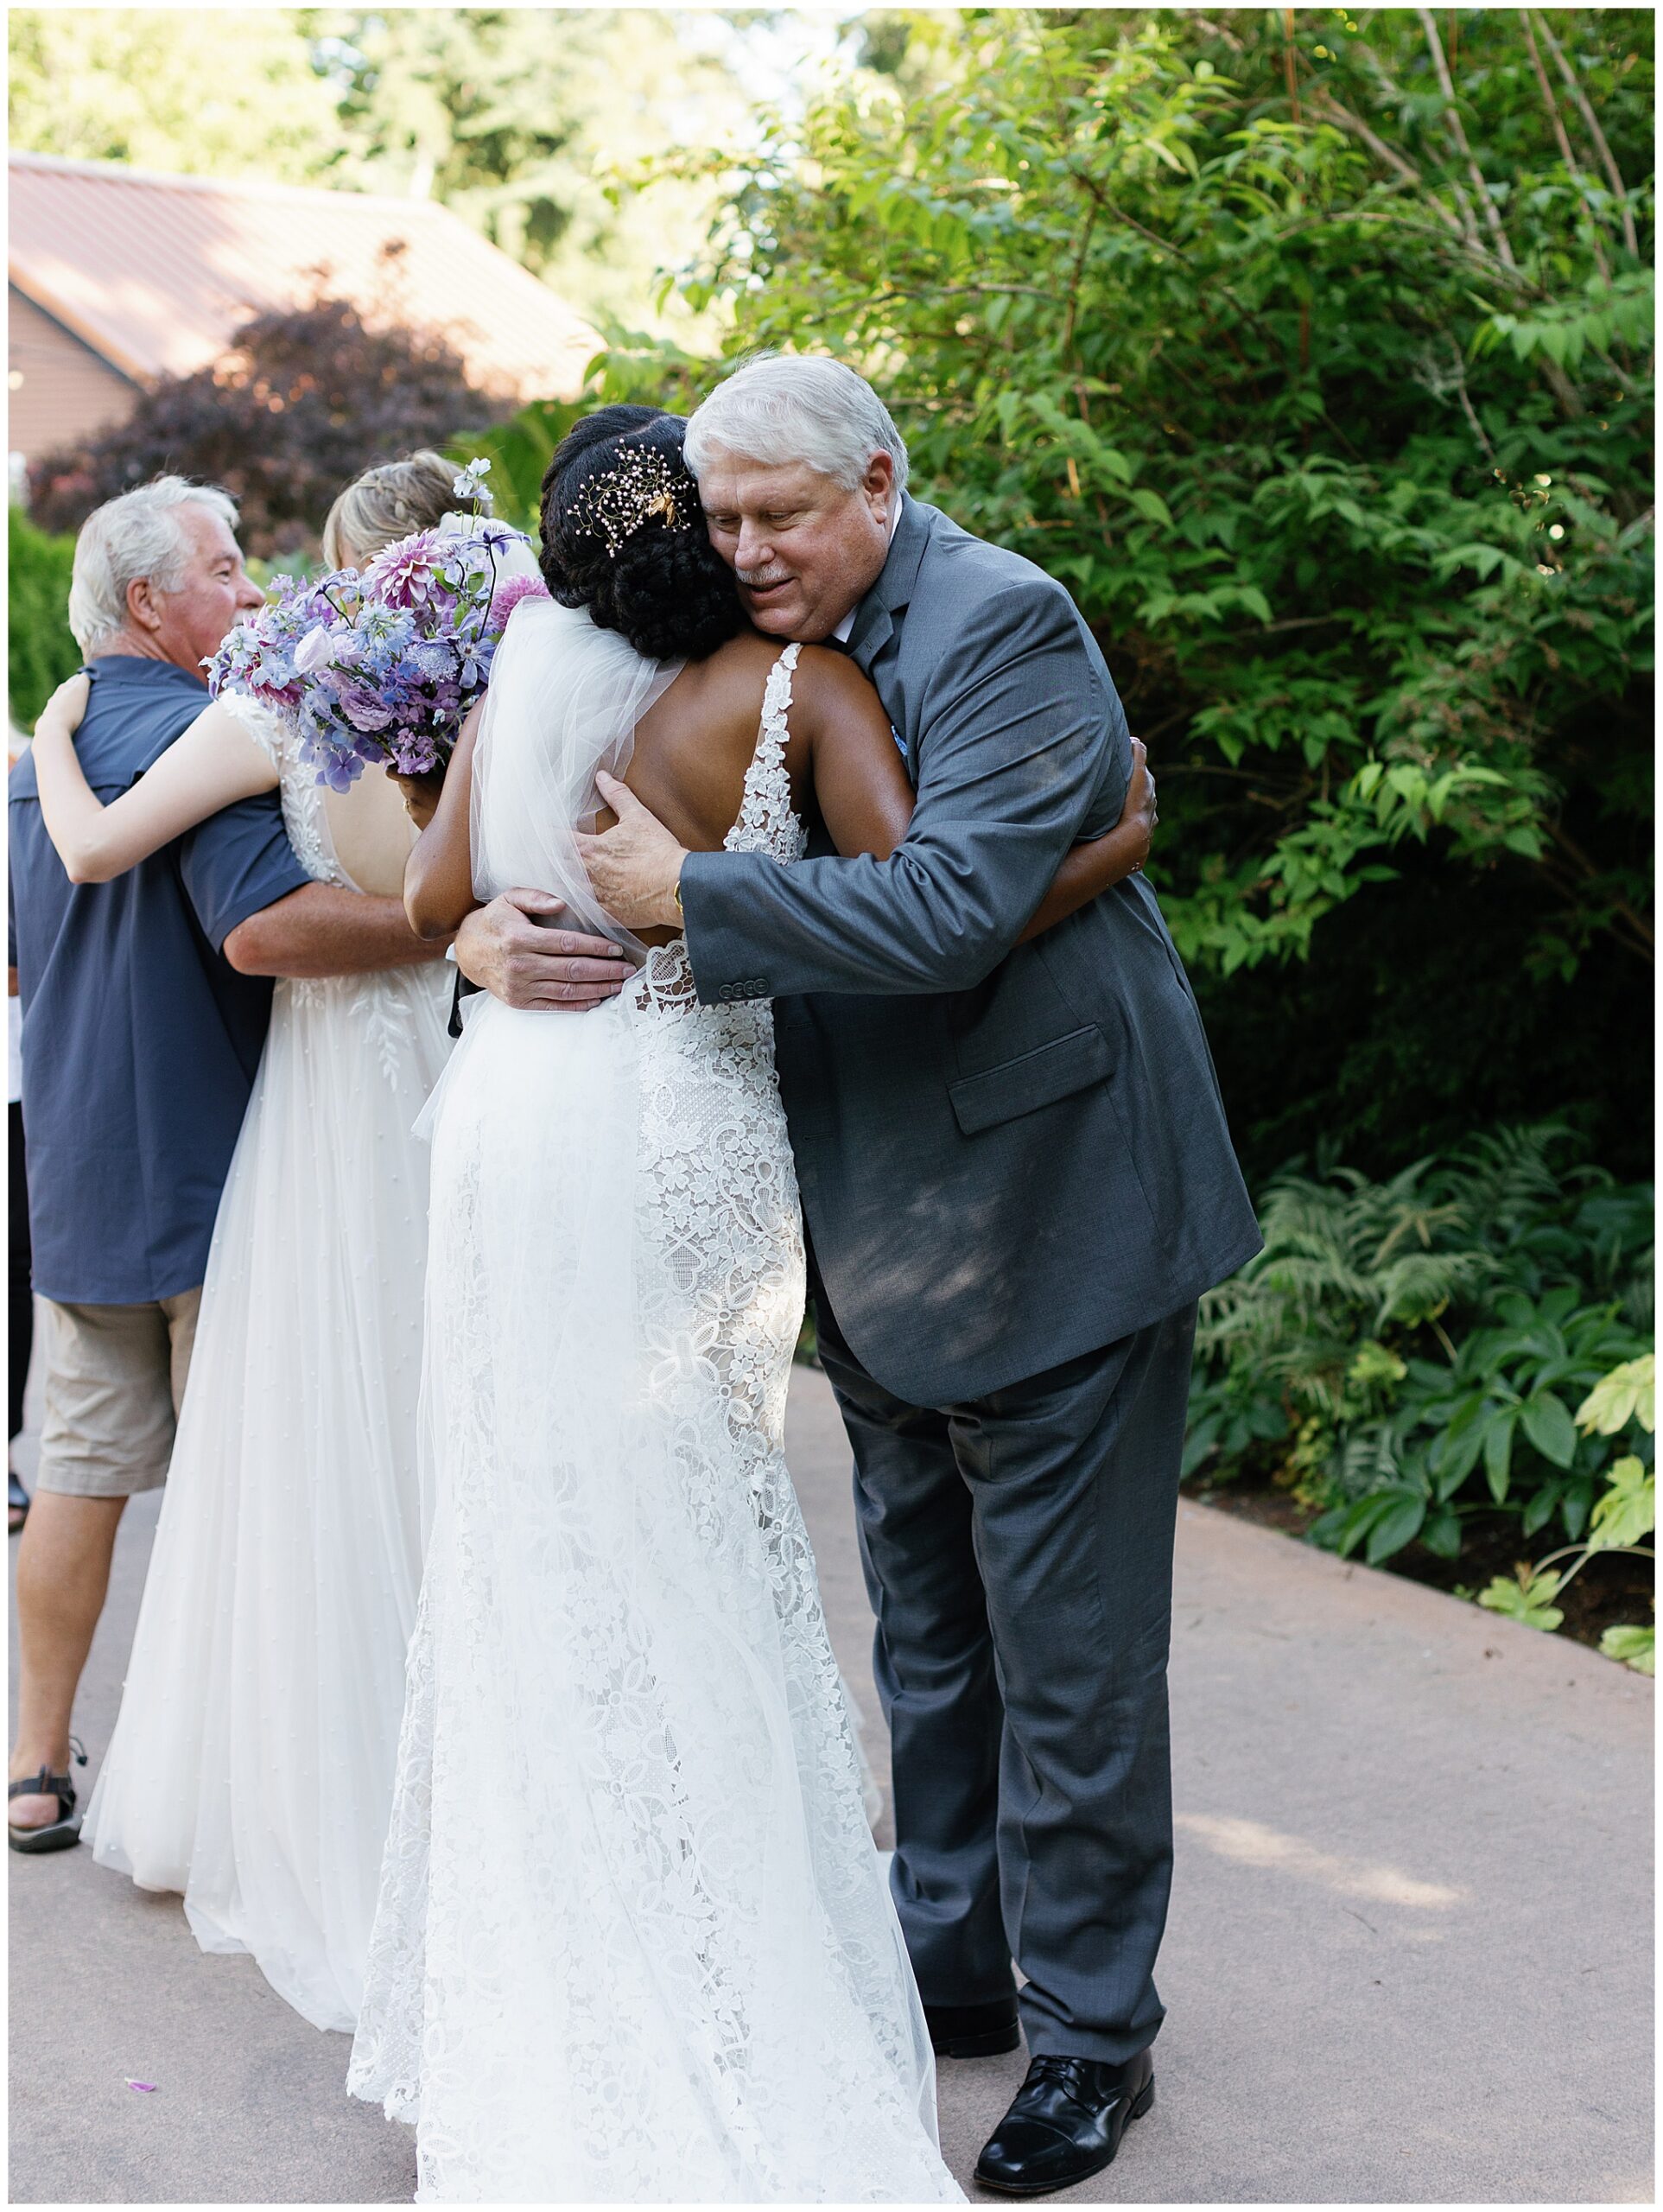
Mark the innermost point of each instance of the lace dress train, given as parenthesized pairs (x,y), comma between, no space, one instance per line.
(252,1766)
(634,1941)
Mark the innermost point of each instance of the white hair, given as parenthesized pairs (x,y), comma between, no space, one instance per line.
(140,534)
(784,407)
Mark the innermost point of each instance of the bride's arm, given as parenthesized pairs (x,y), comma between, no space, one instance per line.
(866,801)
(213,763)
(439,874)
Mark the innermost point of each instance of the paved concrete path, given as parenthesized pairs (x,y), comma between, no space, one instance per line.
(1408,1958)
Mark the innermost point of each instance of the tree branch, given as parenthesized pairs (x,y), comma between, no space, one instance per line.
(1457,132)
(1324,103)
(1645,942)
(1289,64)
(1467,408)
(1464,232)
(1558,120)
(1600,147)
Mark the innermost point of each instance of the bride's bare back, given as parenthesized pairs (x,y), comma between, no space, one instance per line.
(695,745)
(372,834)
(692,749)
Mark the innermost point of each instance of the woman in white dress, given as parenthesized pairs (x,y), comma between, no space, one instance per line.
(634,1941)
(252,1767)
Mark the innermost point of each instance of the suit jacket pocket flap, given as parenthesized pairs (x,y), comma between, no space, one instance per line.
(1034,1080)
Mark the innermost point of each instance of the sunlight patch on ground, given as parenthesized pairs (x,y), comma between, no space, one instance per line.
(1249,1843)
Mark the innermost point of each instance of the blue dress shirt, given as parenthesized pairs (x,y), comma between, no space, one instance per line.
(140,1041)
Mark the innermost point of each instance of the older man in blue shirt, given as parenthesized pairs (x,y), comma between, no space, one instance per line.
(145,1005)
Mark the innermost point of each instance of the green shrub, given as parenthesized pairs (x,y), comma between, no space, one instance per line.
(1404,1354)
(1345,457)
(1625,1511)
(41,651)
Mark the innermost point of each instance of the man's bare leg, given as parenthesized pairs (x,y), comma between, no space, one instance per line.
(63,1573)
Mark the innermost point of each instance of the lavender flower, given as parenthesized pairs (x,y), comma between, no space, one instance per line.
(316,649)
(379,669)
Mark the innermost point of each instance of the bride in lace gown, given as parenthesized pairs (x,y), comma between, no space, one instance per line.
(634,1941)
(252,1766)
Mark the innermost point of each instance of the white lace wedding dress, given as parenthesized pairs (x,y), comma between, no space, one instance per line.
(634,1941)
(252,1767)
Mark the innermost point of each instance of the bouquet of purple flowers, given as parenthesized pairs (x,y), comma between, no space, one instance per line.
(379,667)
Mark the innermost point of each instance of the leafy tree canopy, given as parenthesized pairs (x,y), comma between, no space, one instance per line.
(1318,365)
(217,91)
(40,652)
(533,123)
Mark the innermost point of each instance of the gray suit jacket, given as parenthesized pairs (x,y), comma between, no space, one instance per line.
(1009,1155)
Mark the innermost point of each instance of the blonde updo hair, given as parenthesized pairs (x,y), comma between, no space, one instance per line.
(388,503)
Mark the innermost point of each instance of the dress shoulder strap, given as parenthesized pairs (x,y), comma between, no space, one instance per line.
(765,810)
(776,701)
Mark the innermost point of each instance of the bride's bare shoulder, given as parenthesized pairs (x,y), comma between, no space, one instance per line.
(748,654)
(821,673)
(732,679)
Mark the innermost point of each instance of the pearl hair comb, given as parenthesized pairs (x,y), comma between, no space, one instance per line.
(643,485)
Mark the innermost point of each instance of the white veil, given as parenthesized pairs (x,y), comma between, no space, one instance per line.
(564,699)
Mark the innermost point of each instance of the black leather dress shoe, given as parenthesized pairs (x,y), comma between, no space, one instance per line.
(972,2031)
(1066,2123)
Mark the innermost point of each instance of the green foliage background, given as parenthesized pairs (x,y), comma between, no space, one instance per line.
(533,124)
(40,652)
(1321,370)
(1314,352)
(1412,1352)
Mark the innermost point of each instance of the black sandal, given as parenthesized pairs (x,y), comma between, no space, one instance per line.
(16,1503)
(66,1830)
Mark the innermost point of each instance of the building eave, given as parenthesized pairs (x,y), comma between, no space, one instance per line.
(87,334)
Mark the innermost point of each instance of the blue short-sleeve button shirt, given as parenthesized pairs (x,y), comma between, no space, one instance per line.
(140,1041)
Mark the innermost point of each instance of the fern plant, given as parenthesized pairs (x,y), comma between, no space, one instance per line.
(1406,1353)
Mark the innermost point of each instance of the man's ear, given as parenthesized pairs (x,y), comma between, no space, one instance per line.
(142,609)
(878,482)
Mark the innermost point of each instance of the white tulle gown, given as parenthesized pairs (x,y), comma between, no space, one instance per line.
(252,1767)
(634,1941)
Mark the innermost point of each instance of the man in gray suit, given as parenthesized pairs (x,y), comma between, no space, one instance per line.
(1018,1179)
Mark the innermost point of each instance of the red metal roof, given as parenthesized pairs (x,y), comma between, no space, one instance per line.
(155,272)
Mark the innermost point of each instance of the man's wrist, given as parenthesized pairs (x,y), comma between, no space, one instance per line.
(678,916)
(461,945)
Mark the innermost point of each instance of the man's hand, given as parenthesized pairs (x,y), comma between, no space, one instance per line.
(1140,813)
(636,867)
(509,949)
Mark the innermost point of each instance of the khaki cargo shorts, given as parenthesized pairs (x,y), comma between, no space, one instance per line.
(115,1375)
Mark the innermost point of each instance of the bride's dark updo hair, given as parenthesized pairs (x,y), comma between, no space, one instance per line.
(624,535)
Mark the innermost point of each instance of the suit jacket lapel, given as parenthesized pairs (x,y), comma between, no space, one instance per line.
(871,631)
(875,621)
